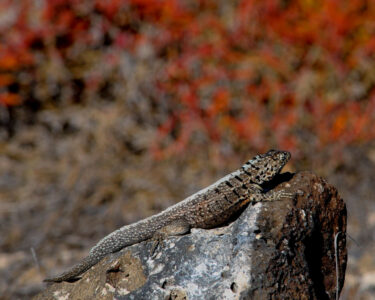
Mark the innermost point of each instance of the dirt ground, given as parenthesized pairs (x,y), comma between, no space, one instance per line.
(72,176)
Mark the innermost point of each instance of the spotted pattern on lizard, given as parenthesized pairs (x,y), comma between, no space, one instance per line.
(207,208)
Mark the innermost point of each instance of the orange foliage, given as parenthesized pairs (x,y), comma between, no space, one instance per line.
(8,61)
(9,99)
(265,72)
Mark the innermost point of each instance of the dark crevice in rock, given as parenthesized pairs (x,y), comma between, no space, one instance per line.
(314,253)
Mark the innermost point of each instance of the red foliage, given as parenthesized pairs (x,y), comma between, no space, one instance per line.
(265,71)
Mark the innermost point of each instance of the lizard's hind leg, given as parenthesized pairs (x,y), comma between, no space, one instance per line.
(176,227)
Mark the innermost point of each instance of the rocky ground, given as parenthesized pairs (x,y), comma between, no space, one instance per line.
(248,258)
(71,176)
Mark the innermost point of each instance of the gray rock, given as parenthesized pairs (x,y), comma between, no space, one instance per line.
(273,250)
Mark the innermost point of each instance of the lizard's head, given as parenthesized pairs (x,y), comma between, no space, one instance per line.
(264,167)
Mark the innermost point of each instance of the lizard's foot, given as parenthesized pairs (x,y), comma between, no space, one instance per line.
(177,227)
(157,240)
(277,196)
(287,195)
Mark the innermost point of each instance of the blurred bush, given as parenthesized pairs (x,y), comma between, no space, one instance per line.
(298,75)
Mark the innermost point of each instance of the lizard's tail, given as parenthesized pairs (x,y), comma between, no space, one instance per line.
(76,270)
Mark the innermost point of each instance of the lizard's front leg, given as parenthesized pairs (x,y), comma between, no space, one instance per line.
(269,196)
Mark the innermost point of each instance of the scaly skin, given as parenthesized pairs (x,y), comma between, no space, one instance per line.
(207,208)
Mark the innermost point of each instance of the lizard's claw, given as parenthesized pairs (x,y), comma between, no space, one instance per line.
(158,240)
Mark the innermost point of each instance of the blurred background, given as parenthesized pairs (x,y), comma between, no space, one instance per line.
(112,110)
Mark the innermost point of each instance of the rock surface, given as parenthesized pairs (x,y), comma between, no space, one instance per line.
(273,250)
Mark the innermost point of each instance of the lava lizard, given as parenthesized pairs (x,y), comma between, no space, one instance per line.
(207,208)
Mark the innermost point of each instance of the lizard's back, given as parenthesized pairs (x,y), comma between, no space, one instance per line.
(207,208)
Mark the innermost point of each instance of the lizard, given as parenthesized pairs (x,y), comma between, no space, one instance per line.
(207,208)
